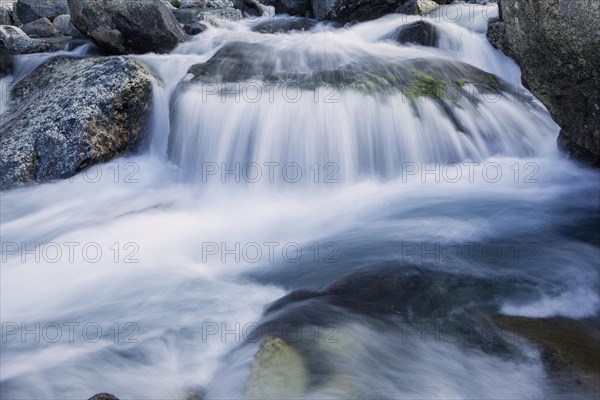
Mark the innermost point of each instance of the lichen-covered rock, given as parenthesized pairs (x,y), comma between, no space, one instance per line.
(557,45)
(13,41)
(69,114)
(40,28)
(32,10)
(127,26)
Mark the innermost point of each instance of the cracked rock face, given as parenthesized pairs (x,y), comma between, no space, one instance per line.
(70,114)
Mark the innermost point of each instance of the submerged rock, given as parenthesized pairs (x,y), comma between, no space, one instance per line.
(69,114)
(13,41)
(557,45)
(32,10)
(570,347)
(284,25)
(278,372)
(127,26)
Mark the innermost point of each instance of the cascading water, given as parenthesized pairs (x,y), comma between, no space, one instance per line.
(347,174)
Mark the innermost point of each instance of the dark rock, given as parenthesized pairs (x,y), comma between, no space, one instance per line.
(301,8)
(284,25)
(419,32)
(13,41)
(103,396)
(557,45)
(127,26)
(496,34)
(69,114)
(5,17)
(194,28)
(6,65)
(40,28)
(249,7)
(32,10)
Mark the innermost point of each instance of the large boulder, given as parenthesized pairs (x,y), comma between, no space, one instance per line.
(127,26)
(69,114)
(32,10)
(13,41)
(557,45)
(40,28)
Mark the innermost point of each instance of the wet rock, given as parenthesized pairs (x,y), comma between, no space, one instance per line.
(69,114)
(278,372)
(103,396)
(127,26)
(417,7)
(419,32)
(557,45)
(6,65)
(32,10)
(194,28)
(13,41)
(211,16)
(301,8)
(5,17)
(569,346)
(284,25)
(42,28)
(249,7)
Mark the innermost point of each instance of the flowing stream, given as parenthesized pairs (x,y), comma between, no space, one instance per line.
(144,277)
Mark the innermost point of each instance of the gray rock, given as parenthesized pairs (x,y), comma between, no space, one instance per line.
(69,114)
(417,7)
(62,24)
(353,10)
(194,28)
(249,7)
(127,26)
(32,10)
(557,45)
(42,28)
(5,17)
(13,41)
(212,16)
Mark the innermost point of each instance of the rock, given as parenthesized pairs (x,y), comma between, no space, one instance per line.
(194,28)
(419,32)
(249,7)
(6,66)
(42,28)
(5,17)
(176,3)
(69,114)
(62,24)
(13,41)
(557,45)
(301,8)
(417,7)
(127,26)
(278,372)
(568,346)
(284,25)
(212,16)
(496,34)
(103,396)
(32,10)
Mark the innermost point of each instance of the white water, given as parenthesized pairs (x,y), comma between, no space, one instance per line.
(161,208)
